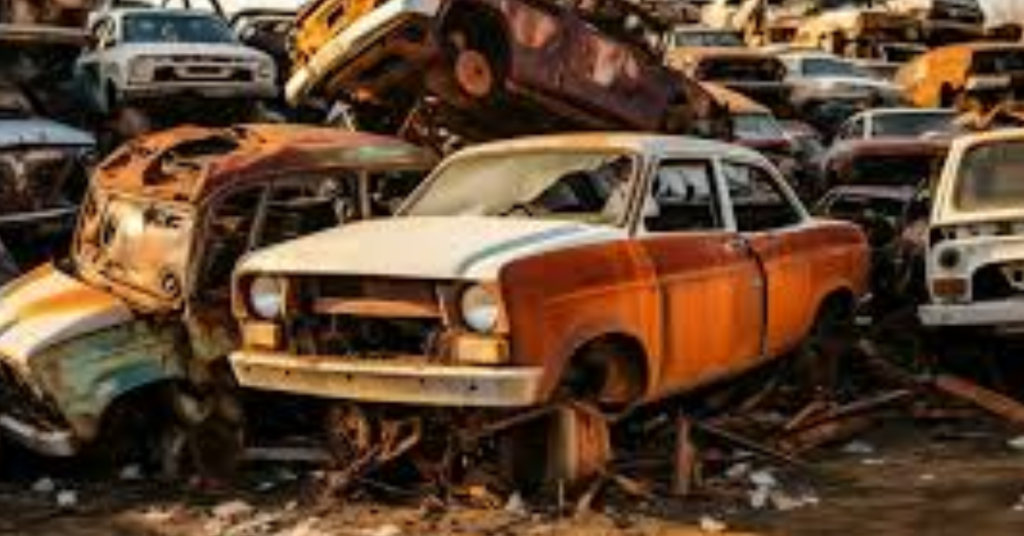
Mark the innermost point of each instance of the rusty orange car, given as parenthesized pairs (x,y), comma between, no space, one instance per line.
(615,269)
(968,76)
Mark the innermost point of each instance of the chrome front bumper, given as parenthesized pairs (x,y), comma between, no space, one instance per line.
(1006,314)
(396,381)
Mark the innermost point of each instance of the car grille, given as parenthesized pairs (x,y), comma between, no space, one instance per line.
(368,318)
(202,73)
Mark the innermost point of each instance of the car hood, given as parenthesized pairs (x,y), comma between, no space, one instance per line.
(198,50)
(39,131)
(46,307)
(462,247)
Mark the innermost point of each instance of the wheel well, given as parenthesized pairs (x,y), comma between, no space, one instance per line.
(611,369)
(840,304)
(484,29)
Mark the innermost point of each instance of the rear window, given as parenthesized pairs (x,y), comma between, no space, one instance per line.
(991,176)
(998,61)
(752,69)
(892,170)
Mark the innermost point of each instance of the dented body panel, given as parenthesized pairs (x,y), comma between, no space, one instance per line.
(140,303)
(537,65)
(692,306)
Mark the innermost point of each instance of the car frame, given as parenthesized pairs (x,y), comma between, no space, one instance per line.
(486,64)
(519,307)
(136,323)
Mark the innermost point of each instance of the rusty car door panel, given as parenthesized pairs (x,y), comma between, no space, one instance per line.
(711,295)
(764,212)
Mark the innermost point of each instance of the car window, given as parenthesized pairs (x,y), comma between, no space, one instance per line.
(294,210)
(851,130)
(989,177)
(682,198)
(758,200)
(228,236)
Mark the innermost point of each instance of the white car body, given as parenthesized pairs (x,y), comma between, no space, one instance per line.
(128,72)
(965,242)
(833,87)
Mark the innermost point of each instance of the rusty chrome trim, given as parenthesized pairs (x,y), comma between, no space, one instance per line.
(399,381)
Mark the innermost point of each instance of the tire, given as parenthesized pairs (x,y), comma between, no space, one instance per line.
(819,360)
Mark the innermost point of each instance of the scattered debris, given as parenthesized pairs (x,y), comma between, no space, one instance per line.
(712,525)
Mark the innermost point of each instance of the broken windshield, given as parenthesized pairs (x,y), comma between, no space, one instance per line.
(585,185)
(135,242)
(990,177)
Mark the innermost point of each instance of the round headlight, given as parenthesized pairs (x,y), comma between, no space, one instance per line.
(949,258)
(479,309)
(266,69)
(266,297)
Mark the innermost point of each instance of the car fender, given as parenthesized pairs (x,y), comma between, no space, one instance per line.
(84,376)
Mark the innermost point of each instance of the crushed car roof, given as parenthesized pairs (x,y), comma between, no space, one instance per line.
(191,163)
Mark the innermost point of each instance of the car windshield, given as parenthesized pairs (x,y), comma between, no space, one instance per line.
(580,184)
(706,39)
(175,28)
(991,176)
(757,126)
(134,242)
(892,170)
(912,125)
(821,67)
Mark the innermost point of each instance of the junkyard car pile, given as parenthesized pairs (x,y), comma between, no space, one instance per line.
(617,222)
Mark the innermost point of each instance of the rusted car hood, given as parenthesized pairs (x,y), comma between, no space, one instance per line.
(463,247)
(46,307)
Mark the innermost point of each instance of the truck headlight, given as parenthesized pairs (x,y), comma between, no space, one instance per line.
(479,308)
(140,70)
(265,69)
(267,297)
(950,258)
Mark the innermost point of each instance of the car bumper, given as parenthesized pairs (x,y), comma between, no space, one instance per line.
(1004,314)
(395,381)
(210,90)
(350,43)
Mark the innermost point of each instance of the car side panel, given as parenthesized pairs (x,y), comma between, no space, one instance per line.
(557,302)
(805,264)
(713,312)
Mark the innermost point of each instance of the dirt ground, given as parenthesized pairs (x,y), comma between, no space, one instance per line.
(902,478)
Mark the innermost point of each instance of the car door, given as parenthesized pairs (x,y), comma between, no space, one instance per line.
(772,222)
(710,284)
